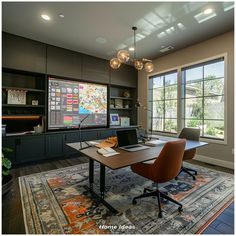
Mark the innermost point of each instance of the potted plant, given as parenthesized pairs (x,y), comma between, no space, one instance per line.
(6,166)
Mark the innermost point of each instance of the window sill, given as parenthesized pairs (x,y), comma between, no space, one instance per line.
(221,142)
(214,141)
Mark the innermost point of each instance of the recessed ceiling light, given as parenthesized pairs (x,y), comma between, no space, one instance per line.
(101,40)
(208,11)
(131,49)
(61,15)
(45,17)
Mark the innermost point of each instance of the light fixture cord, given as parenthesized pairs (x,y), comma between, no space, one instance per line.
(134,44)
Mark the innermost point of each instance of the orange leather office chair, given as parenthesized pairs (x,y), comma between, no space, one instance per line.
(191,134)
(165,168)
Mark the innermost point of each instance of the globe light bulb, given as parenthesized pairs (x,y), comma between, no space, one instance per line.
(123,56)
(115,63)
(149,67)
(138,65)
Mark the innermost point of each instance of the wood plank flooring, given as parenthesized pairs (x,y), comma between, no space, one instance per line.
(12,216)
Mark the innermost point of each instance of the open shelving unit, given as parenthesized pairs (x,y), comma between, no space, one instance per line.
(122,102)
(23,117)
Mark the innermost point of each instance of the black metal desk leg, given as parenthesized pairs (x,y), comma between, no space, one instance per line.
(102,180)
(91,173)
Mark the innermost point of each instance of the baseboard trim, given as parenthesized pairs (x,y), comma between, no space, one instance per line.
(214,161)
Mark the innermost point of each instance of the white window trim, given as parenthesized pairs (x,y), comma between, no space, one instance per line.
(179,80)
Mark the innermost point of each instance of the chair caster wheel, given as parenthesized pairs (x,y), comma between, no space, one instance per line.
(134,202)
(160,215)
(180,209)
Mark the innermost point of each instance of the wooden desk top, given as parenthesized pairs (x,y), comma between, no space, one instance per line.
(126,158)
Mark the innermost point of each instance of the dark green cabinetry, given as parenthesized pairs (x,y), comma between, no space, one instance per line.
(105,134)
(124,76)
(30,148)
(95,69)
(23,54)
(8,142)
(70,138)
(54,145)
(62,62)
(88,135)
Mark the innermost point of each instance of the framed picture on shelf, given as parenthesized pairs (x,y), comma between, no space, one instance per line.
(114,119)
(16,97)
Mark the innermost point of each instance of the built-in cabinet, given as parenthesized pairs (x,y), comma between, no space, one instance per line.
(65,63)
(122,102)
(30,89)
(23,54)
(95,69)
(54,145)
(124,76)
(30,148)
(27,148)
(26,66)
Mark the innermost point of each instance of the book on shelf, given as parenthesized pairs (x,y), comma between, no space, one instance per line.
(118,103)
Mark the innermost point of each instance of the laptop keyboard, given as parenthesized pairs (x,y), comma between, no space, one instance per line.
(133,146)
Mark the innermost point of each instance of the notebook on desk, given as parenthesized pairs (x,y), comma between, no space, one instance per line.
(128,140)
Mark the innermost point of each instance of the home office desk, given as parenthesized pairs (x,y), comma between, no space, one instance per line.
(122,160)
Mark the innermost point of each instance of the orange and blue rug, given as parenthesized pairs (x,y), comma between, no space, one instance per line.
(56,202)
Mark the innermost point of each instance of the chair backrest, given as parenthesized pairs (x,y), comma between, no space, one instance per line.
(190,133)
(168,163)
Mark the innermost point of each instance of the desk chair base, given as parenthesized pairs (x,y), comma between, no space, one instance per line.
(188,171)
(159,195)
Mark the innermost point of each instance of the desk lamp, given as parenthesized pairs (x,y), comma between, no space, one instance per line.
(138,105)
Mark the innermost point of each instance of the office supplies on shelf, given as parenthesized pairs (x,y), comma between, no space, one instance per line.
(114,119)
(154,143)
(118,103)
(128,140)
(124,121)
(107,152)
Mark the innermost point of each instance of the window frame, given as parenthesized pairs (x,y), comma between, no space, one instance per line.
(181,108)
(202,97)
(150,102)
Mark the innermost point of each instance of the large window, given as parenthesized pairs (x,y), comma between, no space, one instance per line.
(203,98)
(163,102)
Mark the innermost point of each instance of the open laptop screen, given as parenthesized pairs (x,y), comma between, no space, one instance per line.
(126,137)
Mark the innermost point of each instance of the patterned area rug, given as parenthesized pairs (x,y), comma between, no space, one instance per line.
(56,202)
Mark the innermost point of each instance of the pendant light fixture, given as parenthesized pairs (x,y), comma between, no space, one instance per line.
(123,56)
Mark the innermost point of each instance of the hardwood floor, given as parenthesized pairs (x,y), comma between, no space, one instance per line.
(12,216)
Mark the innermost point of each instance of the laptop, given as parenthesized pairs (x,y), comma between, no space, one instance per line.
(128,140)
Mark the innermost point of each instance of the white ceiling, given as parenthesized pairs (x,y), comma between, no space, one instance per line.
(85,23)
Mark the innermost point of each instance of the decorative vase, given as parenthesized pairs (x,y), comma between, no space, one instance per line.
(126,94)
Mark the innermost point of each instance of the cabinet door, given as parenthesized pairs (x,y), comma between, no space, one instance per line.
(95,69)
(124,76)
(106,134)
(30,148)
(55,145)
(9,142)
(89,135)
(63,62)
(71,138)
(23,54)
